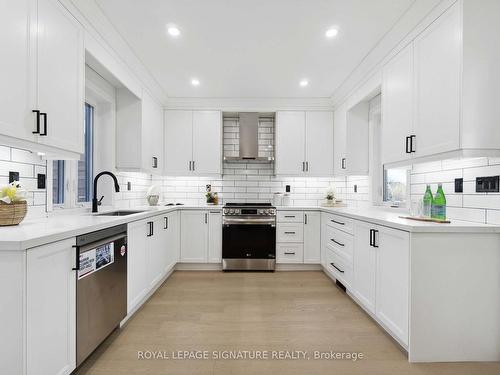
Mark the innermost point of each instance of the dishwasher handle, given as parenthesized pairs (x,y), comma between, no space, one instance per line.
(77,260)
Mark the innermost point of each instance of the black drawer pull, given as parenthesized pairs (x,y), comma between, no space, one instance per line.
(37,131)
(290,216)
(337,222)
(289,232)
(77,261)
(337,242)
(289,253)
(44,115)
(338,269)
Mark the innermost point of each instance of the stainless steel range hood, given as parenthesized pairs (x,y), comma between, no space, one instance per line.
(249,138)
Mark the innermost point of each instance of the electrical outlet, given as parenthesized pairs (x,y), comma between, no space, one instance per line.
(287,188)
(487,184)
(355,188)
(13,176)
(459,185)
(41,181)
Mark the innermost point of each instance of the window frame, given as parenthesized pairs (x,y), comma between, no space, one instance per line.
(407,200)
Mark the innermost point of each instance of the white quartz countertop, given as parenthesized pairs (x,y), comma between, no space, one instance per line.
(36,232)
(391,218)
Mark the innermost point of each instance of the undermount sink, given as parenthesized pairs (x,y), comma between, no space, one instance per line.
(120,213)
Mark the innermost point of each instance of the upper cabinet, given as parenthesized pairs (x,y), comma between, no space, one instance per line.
(438,93)
(193,143)
(351,139)
(304,143)
(42,96)
(139,123)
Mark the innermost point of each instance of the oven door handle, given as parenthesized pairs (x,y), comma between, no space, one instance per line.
(234,221)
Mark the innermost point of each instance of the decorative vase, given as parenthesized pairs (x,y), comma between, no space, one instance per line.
(12,213)
(153,199)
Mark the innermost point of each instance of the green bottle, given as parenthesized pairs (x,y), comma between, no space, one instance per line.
(438,210)
(427,202)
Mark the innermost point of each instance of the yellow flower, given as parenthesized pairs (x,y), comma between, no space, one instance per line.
(9,191)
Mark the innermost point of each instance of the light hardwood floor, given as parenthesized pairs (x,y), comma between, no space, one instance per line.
(257,311)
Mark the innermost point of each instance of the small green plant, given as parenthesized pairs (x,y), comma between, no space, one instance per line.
(330,194)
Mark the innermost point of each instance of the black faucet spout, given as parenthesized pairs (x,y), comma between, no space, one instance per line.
(95,201)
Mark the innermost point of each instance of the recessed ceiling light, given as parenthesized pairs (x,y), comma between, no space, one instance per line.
(304,83)
(173,31)
(195,82)
(332,32)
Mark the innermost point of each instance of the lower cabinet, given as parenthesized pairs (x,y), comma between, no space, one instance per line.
(137,269)
(201,236)
(312,237)
(51,309)
(381,275)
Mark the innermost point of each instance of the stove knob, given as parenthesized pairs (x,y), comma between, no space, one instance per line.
(231,211)
(226,211)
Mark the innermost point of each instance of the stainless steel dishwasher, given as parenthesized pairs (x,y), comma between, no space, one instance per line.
(101,287)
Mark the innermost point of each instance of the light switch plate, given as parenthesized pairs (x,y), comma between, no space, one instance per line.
(13,176)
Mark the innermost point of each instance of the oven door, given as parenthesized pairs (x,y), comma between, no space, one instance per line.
(249,241)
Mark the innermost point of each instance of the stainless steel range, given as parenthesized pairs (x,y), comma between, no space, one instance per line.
(249,237)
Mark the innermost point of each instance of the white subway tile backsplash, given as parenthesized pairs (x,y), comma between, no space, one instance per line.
(4,153)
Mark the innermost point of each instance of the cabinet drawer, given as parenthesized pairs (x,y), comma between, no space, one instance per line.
(343,223)
(290,217)
(290,232)
(340,242)
(338,268)
(290,253)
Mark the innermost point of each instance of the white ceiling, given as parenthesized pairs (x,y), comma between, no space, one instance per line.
(252,48)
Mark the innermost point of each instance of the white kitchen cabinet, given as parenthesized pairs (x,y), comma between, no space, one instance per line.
(137,263)
(215,237)
(193,143)
(173,238)
(340,140)
(393,280)
(364,265)
(357,134)
(194,236)
(60,76)
(17,68)
(437,85)
(43,71)
(207,143)
(139,133)
(397,107)
(312,237)
(156,250)
(290,135)
(51,309)
(304,143)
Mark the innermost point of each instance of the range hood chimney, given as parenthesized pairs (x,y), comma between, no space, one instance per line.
(249,139)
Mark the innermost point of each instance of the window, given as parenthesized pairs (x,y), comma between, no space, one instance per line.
(395,185)
(85,171)
(72,180)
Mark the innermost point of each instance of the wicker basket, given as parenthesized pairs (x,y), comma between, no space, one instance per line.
(12,213)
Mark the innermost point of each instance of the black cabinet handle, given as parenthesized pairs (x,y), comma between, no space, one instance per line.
(193,166)
(190,164)
(307,166)
(412,137)
(77,261)
(150,229)
(371,237)
(305,218)
(45,125)
(290,253)
(37,131)
(206,218)
(289,232)
(166,222)
(342,164)
(337,242)
(155,162)
(373,233)
(337,222)
(290,216)
(408,145)
(338,269)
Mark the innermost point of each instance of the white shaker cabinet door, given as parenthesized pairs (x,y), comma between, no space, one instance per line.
(312,237)
(397,107)
(17,68)
(393,266)
(194,236)
(60,77)
(178,142)
(152,135)
(207,142)
(437,78)
(51,309)
(319,143)
(364,264)
(340,140)
(137,263)
(215,237)
(290,143)
(173,240)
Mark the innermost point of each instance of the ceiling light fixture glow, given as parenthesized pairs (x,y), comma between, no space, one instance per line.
(195,82)
(173,31)
(332,33)
(304,83)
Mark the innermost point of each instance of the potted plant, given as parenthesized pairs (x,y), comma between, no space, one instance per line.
(330,197)
(13,206)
